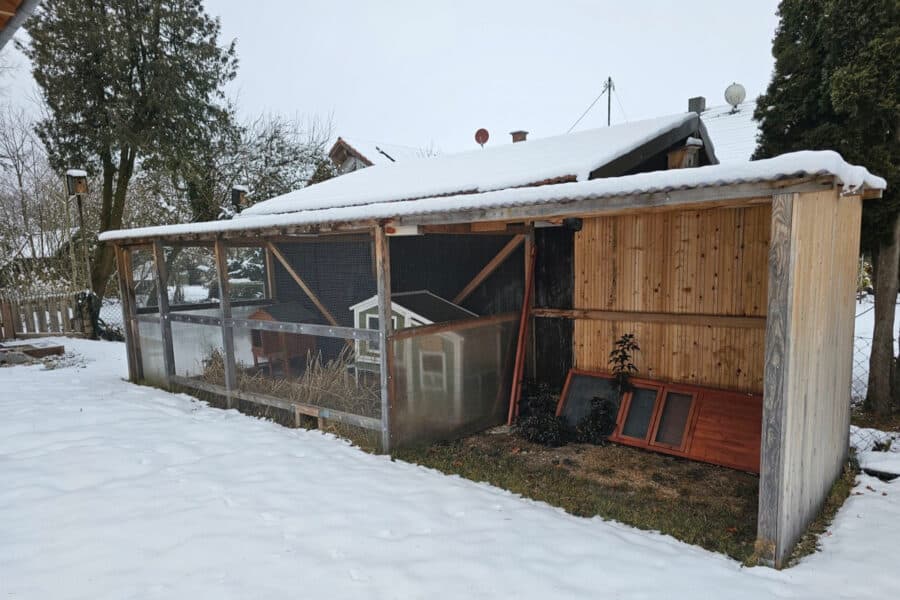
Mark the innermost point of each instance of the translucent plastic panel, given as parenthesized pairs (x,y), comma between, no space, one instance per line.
(151,352)
(191,275)
(640,411)
(246,273)
(674,419)
(307,369)
(198,351)
(451,383)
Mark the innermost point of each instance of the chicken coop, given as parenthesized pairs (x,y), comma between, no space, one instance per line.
(738,281)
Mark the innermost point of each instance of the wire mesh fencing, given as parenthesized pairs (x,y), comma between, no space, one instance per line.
(862,349)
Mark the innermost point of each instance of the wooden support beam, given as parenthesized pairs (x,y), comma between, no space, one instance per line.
(161,274)
(271,288)
(306,289)
(593,314)
(127,298)
(385,330)
(524,320)
(225,315)
(490,267)
(778,324)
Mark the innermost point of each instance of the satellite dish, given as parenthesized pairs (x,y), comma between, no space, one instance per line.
(734,95)
(481,136)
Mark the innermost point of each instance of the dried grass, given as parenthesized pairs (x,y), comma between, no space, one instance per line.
(324,383)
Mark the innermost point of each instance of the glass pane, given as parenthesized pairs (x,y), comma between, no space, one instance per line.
(640,411)
(452,383)
(674,419)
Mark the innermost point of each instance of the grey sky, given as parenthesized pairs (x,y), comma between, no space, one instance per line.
(424,72)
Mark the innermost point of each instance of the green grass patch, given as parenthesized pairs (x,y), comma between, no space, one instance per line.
(709,506)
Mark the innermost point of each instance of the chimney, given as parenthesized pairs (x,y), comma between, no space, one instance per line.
(518,136)
(697,104)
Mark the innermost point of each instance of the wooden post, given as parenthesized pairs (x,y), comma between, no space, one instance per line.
(778,324)
(162,294)
(385,327)
(227,327)
(130,325)
(271,288)
(516,386)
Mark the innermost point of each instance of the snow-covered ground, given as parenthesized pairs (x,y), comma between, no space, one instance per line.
(111,490)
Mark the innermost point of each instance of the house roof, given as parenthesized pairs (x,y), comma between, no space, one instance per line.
(539,201)
(431,306)
(13,13)
(570,157)
(373,153)
(424,304)
(733,132)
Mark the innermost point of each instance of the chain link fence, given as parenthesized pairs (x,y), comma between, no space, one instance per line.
(862,348)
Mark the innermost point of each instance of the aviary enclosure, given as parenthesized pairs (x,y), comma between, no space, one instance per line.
(293,323)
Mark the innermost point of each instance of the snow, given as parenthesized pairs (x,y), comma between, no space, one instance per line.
(76,173)
(795,164)
(112,490)
(375,152)
(732,133)
(493,168)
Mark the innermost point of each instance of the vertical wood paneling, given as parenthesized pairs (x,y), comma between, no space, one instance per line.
(698,262)
(808,354)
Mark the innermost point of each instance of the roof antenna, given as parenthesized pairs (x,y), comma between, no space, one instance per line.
(391,158)
(608,88)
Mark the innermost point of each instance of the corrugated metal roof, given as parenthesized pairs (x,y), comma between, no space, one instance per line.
(796,164)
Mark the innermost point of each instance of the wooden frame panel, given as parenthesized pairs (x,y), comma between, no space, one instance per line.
(700,395)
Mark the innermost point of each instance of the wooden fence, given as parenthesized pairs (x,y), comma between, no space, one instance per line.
(39,315)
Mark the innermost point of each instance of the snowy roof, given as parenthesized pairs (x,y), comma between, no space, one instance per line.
(424,304)
(550,159)
(379,153)
(732,133)
(795,164)
(76,173)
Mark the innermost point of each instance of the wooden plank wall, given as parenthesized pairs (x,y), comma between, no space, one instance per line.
(707,262)
(816,358)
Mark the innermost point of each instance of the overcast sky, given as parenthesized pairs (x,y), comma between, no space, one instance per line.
(429,72)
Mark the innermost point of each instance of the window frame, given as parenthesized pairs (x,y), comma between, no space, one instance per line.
(433,388)
(662,395)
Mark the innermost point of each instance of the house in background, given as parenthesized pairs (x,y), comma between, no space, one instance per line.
(350,156)
(13,14)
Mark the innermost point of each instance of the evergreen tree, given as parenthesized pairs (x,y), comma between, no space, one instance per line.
(126,83)
(836,86)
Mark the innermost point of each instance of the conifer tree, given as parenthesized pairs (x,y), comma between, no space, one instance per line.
(836,86)
(127,83)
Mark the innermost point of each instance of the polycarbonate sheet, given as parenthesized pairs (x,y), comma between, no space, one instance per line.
(151,352)
(307,369)
(451,383)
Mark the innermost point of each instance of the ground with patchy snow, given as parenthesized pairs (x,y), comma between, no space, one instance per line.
(114,491)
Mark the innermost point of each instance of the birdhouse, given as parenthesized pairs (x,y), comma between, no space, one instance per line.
(76,182)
